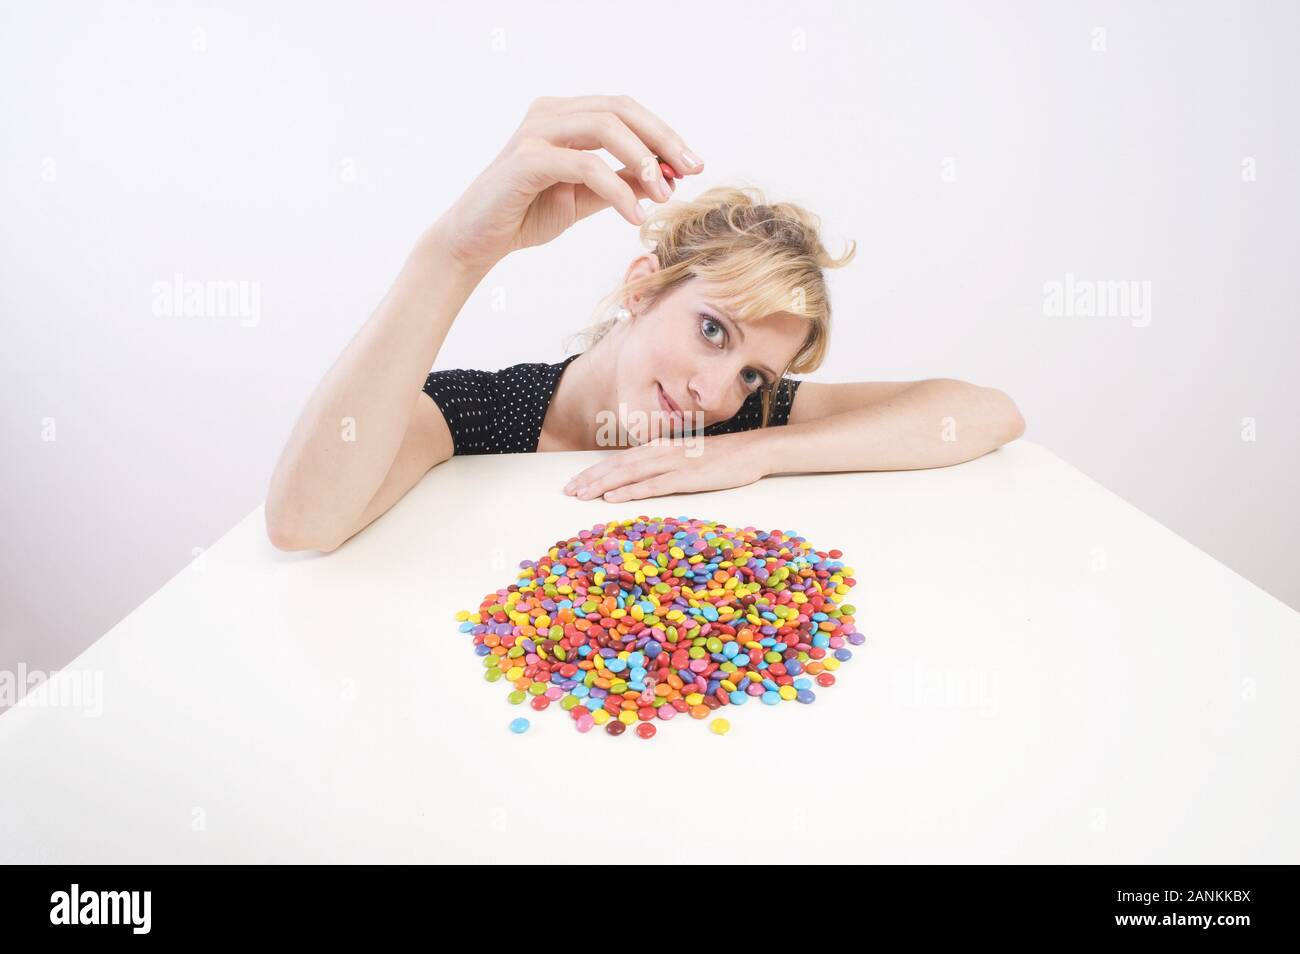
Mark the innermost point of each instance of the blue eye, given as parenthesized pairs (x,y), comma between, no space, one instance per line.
(707,323)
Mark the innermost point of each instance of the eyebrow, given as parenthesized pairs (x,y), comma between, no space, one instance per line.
(735,325)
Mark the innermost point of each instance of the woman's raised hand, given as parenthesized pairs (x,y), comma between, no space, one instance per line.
(545,179)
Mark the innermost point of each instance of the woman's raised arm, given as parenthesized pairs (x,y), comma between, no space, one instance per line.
(349,434)
(337,471)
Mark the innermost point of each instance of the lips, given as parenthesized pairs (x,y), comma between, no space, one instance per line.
(667,403)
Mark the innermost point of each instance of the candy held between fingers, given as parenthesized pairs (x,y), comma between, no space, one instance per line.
(633,622)
(668,171)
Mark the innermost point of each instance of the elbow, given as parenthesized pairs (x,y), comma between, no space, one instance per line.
(290,538)
(1013,422)
(1004,419)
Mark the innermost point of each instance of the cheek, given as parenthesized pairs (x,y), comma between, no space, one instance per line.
(648,352)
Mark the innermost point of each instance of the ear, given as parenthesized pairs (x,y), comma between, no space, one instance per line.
(641,267)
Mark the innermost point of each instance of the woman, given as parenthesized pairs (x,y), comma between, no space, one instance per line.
(707,326)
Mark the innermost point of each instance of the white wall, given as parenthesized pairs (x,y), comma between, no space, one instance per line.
(300,147)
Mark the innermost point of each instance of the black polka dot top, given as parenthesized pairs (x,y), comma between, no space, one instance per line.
(501,412)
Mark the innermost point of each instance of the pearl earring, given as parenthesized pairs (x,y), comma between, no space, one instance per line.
(622,314)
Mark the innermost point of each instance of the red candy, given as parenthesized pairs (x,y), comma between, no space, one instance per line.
(646,730)
(825,679)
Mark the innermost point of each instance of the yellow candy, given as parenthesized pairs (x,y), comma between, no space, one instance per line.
(627,717)
(600,716)
(694,699)
(830,662)
(720,726)
(787,693)
(514,672)
(462,615)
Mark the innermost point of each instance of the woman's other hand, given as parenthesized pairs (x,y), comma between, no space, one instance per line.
(546,179)
(673,465)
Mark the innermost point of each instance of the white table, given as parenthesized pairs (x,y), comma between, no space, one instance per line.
(1049,676)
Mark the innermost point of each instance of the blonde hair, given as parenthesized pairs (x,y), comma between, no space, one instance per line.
(764,257)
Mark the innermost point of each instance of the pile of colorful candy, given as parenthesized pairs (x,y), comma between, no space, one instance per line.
(643,619)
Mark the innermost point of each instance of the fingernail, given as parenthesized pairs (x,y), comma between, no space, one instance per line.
(642,210)
(689,158)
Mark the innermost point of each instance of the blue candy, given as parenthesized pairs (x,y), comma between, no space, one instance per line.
(519,725)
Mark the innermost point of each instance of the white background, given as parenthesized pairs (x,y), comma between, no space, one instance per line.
(303,146)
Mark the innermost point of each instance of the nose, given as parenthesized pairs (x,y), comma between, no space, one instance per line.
(710,390)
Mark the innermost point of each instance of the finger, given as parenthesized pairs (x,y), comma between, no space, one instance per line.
(630,472)
(608,131)
(587,169)
(588,203)
(656,486)
(602,468)
(652,130)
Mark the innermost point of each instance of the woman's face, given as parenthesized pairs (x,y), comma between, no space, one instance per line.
(689,349)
